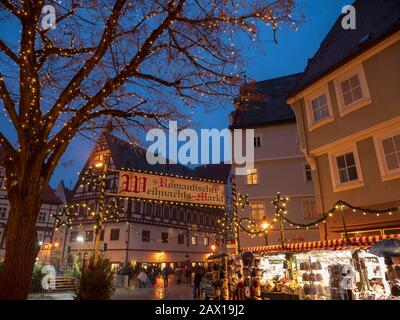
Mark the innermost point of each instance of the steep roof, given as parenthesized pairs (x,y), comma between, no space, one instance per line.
(219,172)
(128,156)
(49,197)
(265,103)
(375,20)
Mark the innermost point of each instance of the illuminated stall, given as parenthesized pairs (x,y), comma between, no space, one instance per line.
(324,270)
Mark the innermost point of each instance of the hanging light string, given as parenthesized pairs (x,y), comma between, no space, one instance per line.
(339,205)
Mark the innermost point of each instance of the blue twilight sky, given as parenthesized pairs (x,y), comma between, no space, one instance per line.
(265,60)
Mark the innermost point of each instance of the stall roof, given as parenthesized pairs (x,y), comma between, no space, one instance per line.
(335,244)
(217,256)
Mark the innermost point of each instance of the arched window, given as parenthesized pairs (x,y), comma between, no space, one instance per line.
(174,213)
(182,215)
(188,216)
(201,218)
(206,219)
(166,212)
(137,206)
(157,210)
(149,209)
(195,215)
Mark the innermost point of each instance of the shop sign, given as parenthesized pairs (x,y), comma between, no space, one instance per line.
(164,188)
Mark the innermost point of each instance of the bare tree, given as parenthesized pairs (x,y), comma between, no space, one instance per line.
(140,62)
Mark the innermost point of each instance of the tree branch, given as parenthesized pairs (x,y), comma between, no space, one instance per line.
(8,52)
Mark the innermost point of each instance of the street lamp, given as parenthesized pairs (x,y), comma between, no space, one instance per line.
(213,247)
(265,225)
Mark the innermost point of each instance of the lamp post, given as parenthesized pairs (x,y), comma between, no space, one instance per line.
(81,240)
(101,164)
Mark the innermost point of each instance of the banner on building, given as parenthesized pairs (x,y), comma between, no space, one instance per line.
(164,188)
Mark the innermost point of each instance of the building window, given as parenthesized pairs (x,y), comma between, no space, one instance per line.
(257,141)
(307,172)
(257,210)
(347,169)
(391,150)
(114,235)
(353,91)
(146,236)
(320,108)
(182,215)
(206,241)
(102,235)
(89,235)
(252,176)
(388,154)
(194,240)
(3,212)
(166,212)
(181,239)
(309,209)
(164,237)
(174,213)
(73,236)
(42,216)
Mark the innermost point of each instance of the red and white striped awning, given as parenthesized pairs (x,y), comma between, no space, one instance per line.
(335,244)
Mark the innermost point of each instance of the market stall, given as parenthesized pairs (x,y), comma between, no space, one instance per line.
(323,270)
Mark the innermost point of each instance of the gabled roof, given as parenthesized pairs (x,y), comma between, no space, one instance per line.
(264,103)
(375,21)
(128,156)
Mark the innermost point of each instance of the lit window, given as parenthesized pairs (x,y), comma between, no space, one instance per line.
(391,150)
(307,172)
(194,240)
(309,209)
(320,108)
(206,241)
(257,210)
(347,168)
(351,90)
(252,176)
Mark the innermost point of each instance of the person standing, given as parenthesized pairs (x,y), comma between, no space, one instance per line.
(165,274)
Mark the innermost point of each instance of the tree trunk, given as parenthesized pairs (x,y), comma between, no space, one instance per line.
(25,195)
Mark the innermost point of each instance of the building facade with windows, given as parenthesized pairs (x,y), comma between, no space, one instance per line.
(148,232)
(348,116)
(279,165)
(45,221)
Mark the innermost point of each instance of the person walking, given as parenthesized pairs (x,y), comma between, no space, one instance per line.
(188,274)
(197,280)
(164,275)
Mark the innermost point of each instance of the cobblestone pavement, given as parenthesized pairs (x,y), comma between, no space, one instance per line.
(156,292)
